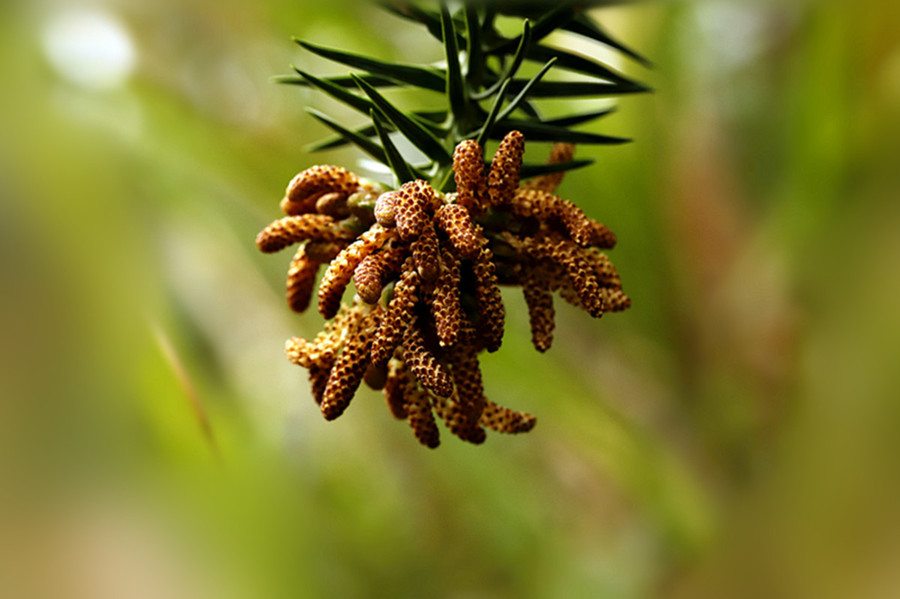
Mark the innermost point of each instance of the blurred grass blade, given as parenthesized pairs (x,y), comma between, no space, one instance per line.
(526,89)
(409,74)
(395,160)
(418,134)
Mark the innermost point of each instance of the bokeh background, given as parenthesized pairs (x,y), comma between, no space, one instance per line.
(734,434)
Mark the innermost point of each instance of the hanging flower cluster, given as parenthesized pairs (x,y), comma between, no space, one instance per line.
(427,268)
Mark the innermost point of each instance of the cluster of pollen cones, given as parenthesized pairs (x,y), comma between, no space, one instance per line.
(427,268)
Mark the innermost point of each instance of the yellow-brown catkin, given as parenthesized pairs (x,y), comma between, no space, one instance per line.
(400,313)
(301,280)
(324,252)
(430,373)
(602,237)
(561,152)
(504,420)
(375,377)
(397,387)
(540,312)
(325,347)
(505,168)
(348,369)
(490,302)
(426,252)
(453,413)
(289,230)
(581,275)
(371,274)
(386,209)
(340,271)
(304,190)
(444,297)
(614,300)
(464,235)
(534,203)
(410,205)
(333,204)
(469,391)
(471,181)
(318,380)
(421,418)
(604,269)
(304,353)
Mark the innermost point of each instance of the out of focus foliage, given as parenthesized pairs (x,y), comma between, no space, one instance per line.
(734,434)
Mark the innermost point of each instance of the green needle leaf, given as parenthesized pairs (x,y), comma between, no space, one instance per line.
(578,119)
(456,87)
(337,92)
(585,26)
(474,50)
(341,81)
(409,74)
(339,141)
(431,20)
(542,28)
(420,136)
(366,144)
(526,89)
(578,89)
(536,170)
(395,160)
(429,119)
(524,41)
(579,64)
(543,132)
(492,115)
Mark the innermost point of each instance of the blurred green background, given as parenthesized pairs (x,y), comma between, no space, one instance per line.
(734,434)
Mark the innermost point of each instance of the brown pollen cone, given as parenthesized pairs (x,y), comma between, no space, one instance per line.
(340,271)
(504,420)
(503,179)
(541,315)
(446,308)
(396,389)
(471,182)
(400,312)
(410,204)
(464,235)
(348,369)
(305,189)
(301,280)
(289,230)
(490,302)
(421,418)
(427,267)
(430,373)
(371,274)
